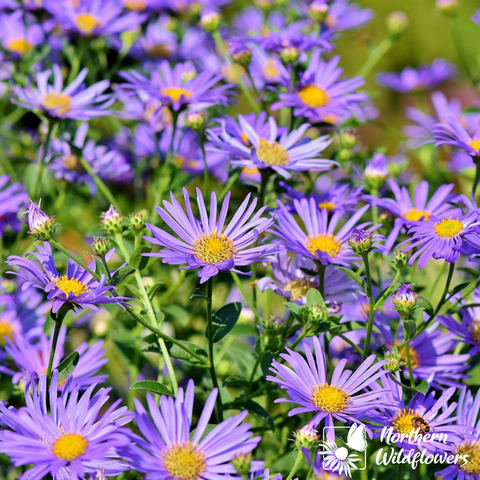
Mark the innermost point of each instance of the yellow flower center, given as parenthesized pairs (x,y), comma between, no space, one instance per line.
(331,119)
(184,461)
(159,50)
(414,356)
(472,449)
(59,102)
(270,69)
(250,171)
(272,153)
(214,248)
(176,93)
(402,421)
(298,288)
(138,5)
(448,228)
(414,215)
(329,206)
(330,398)
(313,96)
(474,143)
(245,139)
(325,243)
(7,330)
(70,285)
(69,447)
(72,163)
(86,22)
(19,46)
(476,331)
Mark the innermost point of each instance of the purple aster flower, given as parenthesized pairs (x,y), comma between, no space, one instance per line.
(423,78)
(93,18)
(469,450)
(11,198)
(267,69)
(31,360)
(251,22)
(436,413)
(18,34)
(440,238)
(476,17)
(343,15)
(75,101)
(170,450)
(281,152)
(320,242)
(77,288)
(75,436)
(338,198)
(406,210)
(307,385)
(452,132)
(320,96)
(292,283)
(180,87)
(208,243)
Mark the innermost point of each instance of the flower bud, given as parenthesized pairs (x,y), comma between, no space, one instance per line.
(361,241)
(405,300)
(101,246)
(112,221)
(136,221)
(42,227)
(376,172)
(401,259)
(314,313)
(306,437)
(348,139)
(448,7)
(242,463)
(289,55)
(318,11)
(210,20)
(240,53)
(195,119)
(274,326)
(394,361)
(397,23)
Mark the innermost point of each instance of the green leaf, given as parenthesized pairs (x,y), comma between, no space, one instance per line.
(121,274)
(424,304)
(422,387)
(67,366)
(459,288)
(354,276)
(198,295)
(154,290)
(390,260)
(235,382)
(151,386)
(135,291)
(293,307)
(266,363)
(138,261)
(176,352)
(314,297)
(410,327)
(99,267)
(178,312)
(224,319)
(255,409)
(311,273)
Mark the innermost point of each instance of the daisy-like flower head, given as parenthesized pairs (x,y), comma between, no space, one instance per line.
(31,360)
(320,96)
(267,69)
(74,101)
(292,283)
(467,414)
(452,132)
(12,195)
(342,398)
(320,242)
(180,87)
(19,35)
(169,450)
(75,436)
(77,287)
(440,238)
(281,152)
(209,243)
(343,15)
(423,78)
(434,414)
(419,209)
(93,18)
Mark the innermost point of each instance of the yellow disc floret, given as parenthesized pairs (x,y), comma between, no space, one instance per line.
(19,46)
(448,228)
(414,215)
(330,398)
(272,153)
(214,248)
(176,93)
(324,243)
(474,143)
(298,288)
(7,330)
(313,96)
(70,285)
(328,206)
(472,465)
(59,102)
(86,22)
(402,421)
(69,446)
(184,461)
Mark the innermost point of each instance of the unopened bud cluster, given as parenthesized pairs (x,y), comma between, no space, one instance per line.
(361,241)
(405,300)
(112,221)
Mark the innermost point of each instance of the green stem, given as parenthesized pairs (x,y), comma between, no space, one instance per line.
(77,260)
(254,369)
(238,283)
(99,183)
(41,164)
(223,49)
(298,461)
(58,318)
(406,335)
(321,279)
(302,335)
(477,177)
(232,180)
(380,301)
(375,55)
(213,373)
(457,40)
(346,339)
(371,313)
